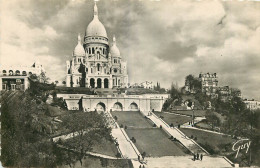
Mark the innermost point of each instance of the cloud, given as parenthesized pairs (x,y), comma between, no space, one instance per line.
(162,41)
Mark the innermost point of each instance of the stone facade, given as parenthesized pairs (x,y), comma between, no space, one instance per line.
(16,77)
(209,83)
(114,103)
(252,104)
(96,63)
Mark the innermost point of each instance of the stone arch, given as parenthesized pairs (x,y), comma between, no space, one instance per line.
(101,107)
(118,106)
(133,107)
(92,82)
(99,83)
(106,83)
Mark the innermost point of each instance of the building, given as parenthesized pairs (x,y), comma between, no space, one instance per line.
(209,83)
(96,63)
(16,77)
(224,93)
(252,104)
(146,85)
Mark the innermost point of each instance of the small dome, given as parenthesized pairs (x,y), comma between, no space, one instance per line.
(95,27)
(79,50)
(114,50)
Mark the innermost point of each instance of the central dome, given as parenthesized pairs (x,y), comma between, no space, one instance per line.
(95,27)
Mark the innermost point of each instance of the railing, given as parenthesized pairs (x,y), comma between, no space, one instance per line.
(131,143)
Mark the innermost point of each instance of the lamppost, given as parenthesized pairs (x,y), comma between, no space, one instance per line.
(191,105)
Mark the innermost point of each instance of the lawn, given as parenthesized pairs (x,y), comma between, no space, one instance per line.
(173,118)
(197,113)
(155,142)
(215,143)
(105,147)
(131,119)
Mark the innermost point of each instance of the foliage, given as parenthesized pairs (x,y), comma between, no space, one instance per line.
(87,128)
(193,83)
(212,119)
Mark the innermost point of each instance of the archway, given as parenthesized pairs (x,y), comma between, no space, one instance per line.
(133,107)
(101,107)
(106,83)
(118,106)
(92,82)
(99,83)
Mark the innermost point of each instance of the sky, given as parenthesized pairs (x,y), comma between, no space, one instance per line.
(162,41)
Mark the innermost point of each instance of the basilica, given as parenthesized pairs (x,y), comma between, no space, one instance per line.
(97,63)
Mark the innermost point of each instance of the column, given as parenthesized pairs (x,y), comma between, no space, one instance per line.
(102,83)
(95,82)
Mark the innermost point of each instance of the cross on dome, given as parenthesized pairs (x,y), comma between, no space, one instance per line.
(95,10)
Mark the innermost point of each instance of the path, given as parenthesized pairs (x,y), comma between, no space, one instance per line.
(186,161)
(126,146)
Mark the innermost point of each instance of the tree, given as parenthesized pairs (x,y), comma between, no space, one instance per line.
(56,82)
(64,82)
(212,119)
(87,129)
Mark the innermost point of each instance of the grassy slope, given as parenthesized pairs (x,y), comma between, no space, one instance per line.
(131,119)
(155,142)
(172,118)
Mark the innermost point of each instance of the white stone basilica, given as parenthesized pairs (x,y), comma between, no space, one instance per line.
(96,64)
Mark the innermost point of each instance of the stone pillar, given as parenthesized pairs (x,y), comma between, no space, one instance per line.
(102,83)
(95,82)
(110,85)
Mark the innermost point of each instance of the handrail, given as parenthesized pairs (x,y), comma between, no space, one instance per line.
(131,143)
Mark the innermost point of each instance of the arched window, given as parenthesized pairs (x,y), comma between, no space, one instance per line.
(10,72)
(103,51)
(98,55)
(91,70)
(89,51)
(93,50)
(98,67)
(4,72)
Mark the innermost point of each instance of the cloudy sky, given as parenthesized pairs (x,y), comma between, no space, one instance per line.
(162,41)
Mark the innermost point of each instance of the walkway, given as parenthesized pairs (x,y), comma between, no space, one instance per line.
(127,148)
(186,161)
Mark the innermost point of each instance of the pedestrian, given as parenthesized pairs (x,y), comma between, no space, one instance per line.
(198,156)
(201,156)
(194,157)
